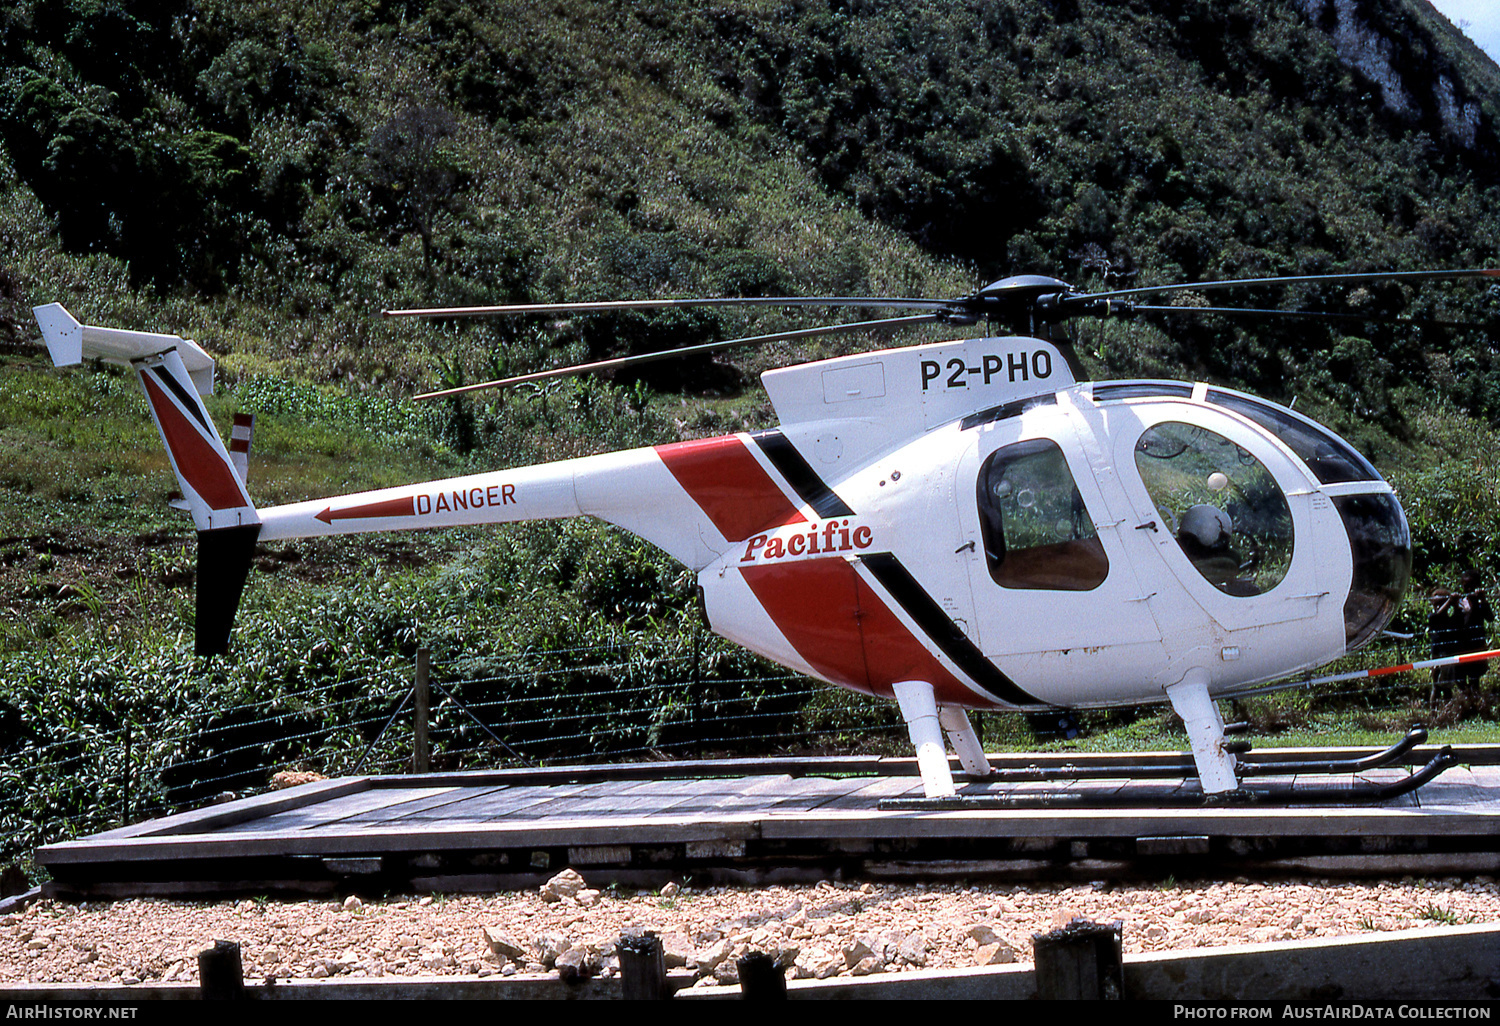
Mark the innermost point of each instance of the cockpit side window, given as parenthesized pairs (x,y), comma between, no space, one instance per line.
(1329,457)
(1037,533)
(1221,504)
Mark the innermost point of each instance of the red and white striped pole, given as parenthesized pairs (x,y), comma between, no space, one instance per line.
(1472,657)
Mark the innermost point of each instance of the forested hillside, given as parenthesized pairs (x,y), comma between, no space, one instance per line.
(266,177)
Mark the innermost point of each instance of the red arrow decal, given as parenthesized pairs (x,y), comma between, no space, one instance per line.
(406,507)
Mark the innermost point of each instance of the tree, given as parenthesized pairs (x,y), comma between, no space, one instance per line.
(413,165)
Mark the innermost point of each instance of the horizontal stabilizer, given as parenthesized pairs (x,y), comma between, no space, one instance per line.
(69,343)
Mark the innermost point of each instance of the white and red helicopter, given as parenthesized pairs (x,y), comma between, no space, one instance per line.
(959,525)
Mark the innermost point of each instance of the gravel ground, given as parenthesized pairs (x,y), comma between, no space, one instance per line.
(819,931)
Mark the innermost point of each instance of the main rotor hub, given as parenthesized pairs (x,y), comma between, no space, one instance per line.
(1025,303)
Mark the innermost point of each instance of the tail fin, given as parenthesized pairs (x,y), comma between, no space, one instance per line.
(174,372)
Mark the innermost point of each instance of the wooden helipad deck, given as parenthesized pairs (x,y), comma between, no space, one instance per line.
(757,821)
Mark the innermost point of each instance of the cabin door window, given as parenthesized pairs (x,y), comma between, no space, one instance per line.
(1036,532)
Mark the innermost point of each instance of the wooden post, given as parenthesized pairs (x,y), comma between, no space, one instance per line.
(694,688)
(1080,962)
(761,979)
(643,968)
(421,761)
(221,974)
(126,816)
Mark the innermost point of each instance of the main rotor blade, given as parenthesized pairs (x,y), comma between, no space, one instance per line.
(882,302)
(1347,279)
(707,347)
(1240,311)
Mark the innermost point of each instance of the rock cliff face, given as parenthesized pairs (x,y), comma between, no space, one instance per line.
(1414,79)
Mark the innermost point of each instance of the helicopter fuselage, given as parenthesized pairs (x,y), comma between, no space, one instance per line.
(967,515)
(960,525)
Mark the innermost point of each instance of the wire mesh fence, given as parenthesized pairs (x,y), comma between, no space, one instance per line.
(555,708)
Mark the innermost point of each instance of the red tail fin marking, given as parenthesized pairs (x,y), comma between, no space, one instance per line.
(201,465)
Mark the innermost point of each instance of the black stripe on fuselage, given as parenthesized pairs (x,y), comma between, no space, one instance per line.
(183,396)
(800,475)
(941,630)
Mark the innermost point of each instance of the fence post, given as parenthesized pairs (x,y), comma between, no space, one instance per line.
(1080,962)
(221,973)
(126,816)
(643,969)
(694,712)
(421,761)
(761,979)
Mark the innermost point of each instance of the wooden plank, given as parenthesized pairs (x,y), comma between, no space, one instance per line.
(449,799)
(870,793)
(337,810)
(1254,822)
(501,803)
(239,811)
(616,805)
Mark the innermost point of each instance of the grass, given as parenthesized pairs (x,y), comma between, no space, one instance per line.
(1158,729)
(1438,914)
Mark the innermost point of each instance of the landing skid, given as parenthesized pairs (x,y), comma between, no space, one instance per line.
(1357,793)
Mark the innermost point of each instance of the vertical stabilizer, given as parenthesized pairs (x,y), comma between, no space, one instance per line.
(214,488)
(174,372)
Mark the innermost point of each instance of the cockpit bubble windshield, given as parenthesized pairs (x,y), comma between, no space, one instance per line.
(1221,504)
(1380,543)
(1329,457)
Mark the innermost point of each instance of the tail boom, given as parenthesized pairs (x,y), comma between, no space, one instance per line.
(632,489)
(543,492)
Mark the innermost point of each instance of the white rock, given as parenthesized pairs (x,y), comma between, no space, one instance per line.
(913,950)
(983,934)
(572,963)
(502,943)
(566,884)
(711,956)
(856,949)
(676,949)
(550,945)
(994,954)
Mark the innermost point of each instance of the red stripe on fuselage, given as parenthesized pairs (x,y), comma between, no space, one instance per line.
(727,483)
(200,463)
(846,631)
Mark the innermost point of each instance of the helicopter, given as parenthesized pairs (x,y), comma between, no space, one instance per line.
(956,526)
